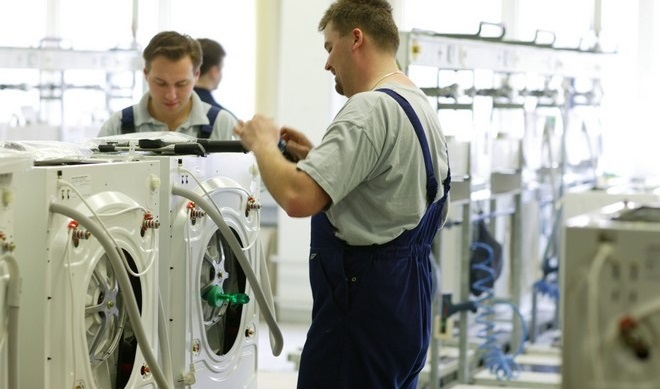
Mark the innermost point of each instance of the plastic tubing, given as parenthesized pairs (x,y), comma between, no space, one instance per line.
(13,300)
(265,280)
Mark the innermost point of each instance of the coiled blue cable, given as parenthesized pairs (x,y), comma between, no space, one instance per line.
(503,366)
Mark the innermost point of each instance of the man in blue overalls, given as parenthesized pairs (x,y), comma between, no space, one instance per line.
(377,186)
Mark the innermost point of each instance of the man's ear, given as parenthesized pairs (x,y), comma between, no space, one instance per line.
(358,37)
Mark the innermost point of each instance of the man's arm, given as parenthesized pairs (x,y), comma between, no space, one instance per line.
(294,190)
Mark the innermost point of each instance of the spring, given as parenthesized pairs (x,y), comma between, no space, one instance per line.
(76,234)
(251,204)
(500,364)
(195,213)
(80,234)
(148,223)
(6,245)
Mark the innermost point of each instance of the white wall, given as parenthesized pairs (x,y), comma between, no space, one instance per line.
(304,102)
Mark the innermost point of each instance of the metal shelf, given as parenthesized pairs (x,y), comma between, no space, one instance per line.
(64,59)
(429,49)
(52,63)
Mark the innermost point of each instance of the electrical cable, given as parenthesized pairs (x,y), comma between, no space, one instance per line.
(130,302)
(235,246)
(122,211)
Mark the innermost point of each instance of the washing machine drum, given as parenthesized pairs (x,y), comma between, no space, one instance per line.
(111,343)
(221,271)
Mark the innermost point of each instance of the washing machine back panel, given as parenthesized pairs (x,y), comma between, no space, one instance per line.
(139,181)
(611,272)
(95,309)
(69,283)
(197,250)
(235,366)
(241,168)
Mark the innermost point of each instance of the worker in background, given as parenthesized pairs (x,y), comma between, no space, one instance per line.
(376,187)
(171,68)
(210,74)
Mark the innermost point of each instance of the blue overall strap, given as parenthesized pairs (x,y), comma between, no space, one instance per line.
(127,120)
(206,130)
(431,182)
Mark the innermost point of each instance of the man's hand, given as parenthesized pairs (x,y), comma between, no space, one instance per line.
(258,132)
(297,144)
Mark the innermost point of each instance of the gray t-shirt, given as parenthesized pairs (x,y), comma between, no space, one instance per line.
(371,165)
(223,128)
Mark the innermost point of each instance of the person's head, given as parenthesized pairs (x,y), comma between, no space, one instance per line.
(173,46)
(210,74)
(171,67)
(357,33)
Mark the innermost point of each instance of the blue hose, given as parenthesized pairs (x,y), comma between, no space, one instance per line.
(503,366)
(547,288)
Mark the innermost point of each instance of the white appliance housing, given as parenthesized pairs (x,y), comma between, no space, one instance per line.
(579,203)
(610,304)
(10,165)
(74,328)
(212,346)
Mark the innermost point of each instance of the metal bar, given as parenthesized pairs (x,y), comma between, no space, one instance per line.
(516,267)
(464,367)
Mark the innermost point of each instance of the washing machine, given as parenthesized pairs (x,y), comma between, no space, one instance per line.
(578,203)
(610,307)
(214,339)
(11,163)
(87,235)
(212,277)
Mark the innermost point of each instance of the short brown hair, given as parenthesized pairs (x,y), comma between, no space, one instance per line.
(212,54)
(374,17)
(173,46)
